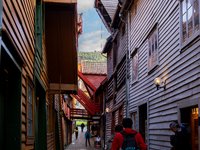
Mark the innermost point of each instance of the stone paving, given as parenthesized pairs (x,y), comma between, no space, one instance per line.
(79,144)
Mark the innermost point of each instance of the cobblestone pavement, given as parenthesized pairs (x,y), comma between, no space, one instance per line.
(79,144)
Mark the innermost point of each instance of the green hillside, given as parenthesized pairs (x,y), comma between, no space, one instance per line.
(92,56)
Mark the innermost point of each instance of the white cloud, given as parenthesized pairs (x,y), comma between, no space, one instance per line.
(95,44)
(96,23)
(84,5)
(91,34)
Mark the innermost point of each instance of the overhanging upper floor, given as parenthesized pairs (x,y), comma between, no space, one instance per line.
(61,45)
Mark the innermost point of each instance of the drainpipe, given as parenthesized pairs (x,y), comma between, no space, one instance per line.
(127,63)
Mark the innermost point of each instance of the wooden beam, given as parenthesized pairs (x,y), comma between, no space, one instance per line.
(65,87)
(86,81)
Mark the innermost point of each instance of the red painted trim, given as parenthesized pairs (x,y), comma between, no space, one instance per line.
(86,81)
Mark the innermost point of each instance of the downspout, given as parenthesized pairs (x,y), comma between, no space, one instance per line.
(127,63)
(105,147)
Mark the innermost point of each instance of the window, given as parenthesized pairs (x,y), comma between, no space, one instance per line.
(153,50)
(190,18)
(48,118)
(134,120)
(29,111)
(135,67)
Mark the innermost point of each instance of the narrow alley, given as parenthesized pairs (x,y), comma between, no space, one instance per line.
(79,144)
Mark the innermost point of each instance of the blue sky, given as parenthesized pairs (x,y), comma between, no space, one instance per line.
(93,27)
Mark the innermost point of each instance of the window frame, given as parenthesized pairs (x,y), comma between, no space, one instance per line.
(30,139)
(155,28)
(132,56)
(195,35)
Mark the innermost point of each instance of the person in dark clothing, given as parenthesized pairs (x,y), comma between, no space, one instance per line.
(118,128)
(82,126)
(76,131)
(87,137)
(181,139)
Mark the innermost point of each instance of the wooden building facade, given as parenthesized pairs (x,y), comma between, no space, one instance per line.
(163,41)
(27,83)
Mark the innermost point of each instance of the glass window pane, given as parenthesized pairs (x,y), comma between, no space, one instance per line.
(156,45)
(184,21)
(196,8)
(196,25)
(190,29)
(30,94)
(30,128)
(152,55)
(30,111)
(189,3)
(183,6)
(190,14)
(184,34)
(135,67)
(149,53)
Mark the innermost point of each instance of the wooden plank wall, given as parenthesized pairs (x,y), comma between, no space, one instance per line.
(18,21)
(108,120)
(57,107)
(179,68)
(110,89)
(109,64)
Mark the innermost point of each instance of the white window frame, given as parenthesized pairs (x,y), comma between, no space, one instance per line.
(157,63)
(195,35)
(133,54)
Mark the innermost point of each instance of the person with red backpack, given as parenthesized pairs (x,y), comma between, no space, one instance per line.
(128,138)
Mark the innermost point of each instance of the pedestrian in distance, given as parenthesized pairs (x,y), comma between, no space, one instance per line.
(76,132)
(181,139)
(87,137)
(118,128)
(128,138)
(82,126)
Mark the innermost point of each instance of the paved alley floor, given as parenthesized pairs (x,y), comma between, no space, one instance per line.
(79,144)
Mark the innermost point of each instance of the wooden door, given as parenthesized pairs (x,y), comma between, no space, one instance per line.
(194,131)
(113,123)
(120,117)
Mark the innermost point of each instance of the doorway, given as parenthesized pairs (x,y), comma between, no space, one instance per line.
(189,118)
(40,117)
(143,121)
(10,103)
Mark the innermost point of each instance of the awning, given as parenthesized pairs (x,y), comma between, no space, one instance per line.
(61,45)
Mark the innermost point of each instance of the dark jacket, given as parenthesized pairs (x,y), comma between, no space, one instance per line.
(82,125)
(181,139)
(118,139)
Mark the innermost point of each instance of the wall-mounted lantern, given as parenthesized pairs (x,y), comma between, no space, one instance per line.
(107,110)
(160,83)
(195,111)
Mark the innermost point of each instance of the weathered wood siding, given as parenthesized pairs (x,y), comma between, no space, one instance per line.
(121,73)
(179,69)
(109,64)
(108,120)
(110,89)
(18,21)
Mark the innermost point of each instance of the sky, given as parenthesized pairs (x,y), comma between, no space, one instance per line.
(94,33)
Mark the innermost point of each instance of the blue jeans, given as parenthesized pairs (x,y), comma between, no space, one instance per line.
(87,139)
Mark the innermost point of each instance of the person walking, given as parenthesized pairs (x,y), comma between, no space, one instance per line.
(82,126)
(76,132)
(87,137)
(118,128)
(128,138)
(181,139)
